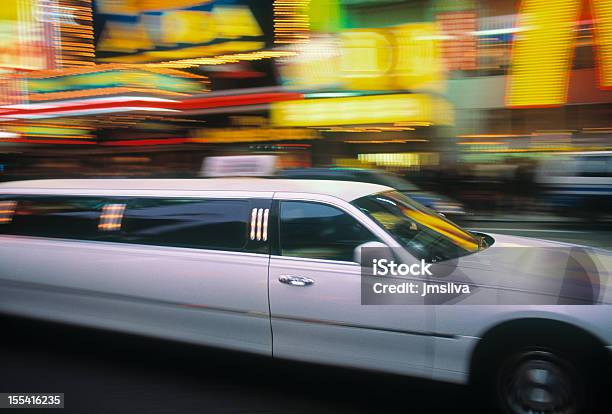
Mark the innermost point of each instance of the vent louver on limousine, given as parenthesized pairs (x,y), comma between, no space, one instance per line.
(259,224)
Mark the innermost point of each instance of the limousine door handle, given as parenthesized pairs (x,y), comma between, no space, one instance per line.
(296,280)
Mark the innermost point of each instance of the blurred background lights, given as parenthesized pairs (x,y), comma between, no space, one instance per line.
(468,98)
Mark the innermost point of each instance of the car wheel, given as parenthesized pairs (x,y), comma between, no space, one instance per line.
(542,381)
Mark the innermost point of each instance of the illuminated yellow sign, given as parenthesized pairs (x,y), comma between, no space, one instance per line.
(218,135)
(365,60)
(406,57)
(602,10)
(21,36)
(400,159)
(418,63)
(362,110)
(207,29)
(133,7)
(542,51)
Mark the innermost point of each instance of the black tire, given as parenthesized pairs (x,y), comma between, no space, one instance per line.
(538,379)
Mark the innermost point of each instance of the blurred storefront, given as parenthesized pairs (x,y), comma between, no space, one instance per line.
(374,83)
(147,90)
(108,82)
(541,83)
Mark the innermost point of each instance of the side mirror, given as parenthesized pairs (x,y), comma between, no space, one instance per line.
(382,251)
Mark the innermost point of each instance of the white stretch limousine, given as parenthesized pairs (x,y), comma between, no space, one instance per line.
(271,266)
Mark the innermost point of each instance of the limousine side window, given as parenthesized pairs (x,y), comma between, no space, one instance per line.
(319,231)
(61,217)
(195,223)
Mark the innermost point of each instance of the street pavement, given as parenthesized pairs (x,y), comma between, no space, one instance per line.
(103,372)
(106,373)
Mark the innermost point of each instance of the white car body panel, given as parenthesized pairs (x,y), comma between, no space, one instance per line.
(221,296)
(326,322)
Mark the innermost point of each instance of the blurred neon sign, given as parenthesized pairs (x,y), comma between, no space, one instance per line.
(362,110)
(219,135)
(22,41)
(542,53)
(603,31)
(405,57)
(177,30)
(114,78)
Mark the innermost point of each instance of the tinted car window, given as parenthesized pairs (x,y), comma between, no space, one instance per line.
(318,231)
(425,234)
(195,223)
(61,217)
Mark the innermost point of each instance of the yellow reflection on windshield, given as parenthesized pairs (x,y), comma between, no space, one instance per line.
(456,235)
(387,220)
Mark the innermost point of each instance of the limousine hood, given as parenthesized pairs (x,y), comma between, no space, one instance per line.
(520,270)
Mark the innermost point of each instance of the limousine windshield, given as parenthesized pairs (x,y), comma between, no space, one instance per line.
(423,232)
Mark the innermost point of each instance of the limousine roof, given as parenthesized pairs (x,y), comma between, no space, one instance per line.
(345,190)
